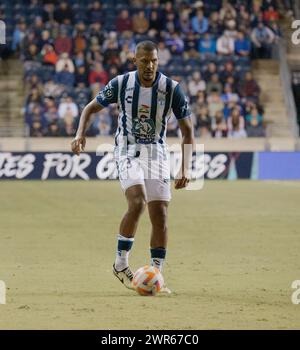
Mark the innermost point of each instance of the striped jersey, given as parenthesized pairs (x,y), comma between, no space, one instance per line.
(144,111)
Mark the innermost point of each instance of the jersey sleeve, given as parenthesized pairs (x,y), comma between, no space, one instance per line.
(180,105)
(109,94)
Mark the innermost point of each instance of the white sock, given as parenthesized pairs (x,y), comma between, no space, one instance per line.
(123,250)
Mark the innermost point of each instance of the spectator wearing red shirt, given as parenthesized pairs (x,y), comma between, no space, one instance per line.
(271,15)
(249,88)
(63,43)
(123,22)
(98,75)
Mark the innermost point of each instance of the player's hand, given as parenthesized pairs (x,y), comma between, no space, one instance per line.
(78,144)
(181,182)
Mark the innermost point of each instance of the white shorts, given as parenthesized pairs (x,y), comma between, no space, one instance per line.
(153,174)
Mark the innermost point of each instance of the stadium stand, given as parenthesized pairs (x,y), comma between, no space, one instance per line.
(219,51)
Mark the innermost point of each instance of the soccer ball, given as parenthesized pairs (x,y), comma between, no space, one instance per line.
(147,280)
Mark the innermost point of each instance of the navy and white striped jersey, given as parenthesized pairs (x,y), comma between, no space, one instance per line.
(144,112)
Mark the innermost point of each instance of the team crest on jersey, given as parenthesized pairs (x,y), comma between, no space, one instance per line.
(143,125)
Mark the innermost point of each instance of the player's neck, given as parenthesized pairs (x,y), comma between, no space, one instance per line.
(146,83)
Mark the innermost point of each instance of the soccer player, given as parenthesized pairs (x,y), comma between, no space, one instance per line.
(146,99)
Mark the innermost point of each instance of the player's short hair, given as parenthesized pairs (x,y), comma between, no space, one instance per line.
(146,45)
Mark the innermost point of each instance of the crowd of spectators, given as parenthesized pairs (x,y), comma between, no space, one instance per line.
(72,49)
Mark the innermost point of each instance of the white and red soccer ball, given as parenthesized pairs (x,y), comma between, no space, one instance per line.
(147,280)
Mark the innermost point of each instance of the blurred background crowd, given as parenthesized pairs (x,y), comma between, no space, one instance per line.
(71,49)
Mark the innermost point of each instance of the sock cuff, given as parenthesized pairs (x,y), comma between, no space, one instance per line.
(159,253)
(126,239)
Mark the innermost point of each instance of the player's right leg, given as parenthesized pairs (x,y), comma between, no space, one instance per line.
(132,184)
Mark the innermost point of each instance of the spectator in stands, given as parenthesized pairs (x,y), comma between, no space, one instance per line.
(63,43)
(228,71)
(34,96)
(48,55)
(214,84)
(30,39)
(67,107)
(236,124)
(184,22)
(210,71)
(171,24)
(175,44)
(65,77)
(48,13)
(196,84)
(190,45)
(227,11)
(207,44)
(111,53)
(242,45)
(164,54)
(225,45)
(45,39)
(81,76)
(254,123)
(215,103)
(52,89)
(33,82)
(18,35)
(123,22)
(219,128)
(95,34)
(262,38)
(102,123)
(155,22)
(140,23)
(79,59)
(248,88)
(228,95)
(31,53)
(53,130)
(203,123)
(215,25)
(64,14)
(199,22)
(95,12)
(271,15)
(36,129)
(98,75)
(79,37)
(38,26)
(68,126)
(64,63)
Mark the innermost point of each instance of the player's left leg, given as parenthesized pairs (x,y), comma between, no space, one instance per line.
(158,212)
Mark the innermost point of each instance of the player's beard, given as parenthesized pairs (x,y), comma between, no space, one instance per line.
(148,76)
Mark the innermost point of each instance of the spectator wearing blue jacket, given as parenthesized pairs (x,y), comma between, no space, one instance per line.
(199,23)
(207,44)
(242,45)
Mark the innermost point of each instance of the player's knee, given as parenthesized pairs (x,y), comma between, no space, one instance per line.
(137,205)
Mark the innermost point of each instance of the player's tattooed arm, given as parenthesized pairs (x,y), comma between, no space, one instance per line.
(79,141)
(186,127)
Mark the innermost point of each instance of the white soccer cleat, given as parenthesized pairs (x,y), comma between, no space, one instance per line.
(165,290)
(125,276)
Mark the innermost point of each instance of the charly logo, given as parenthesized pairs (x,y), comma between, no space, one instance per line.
(2,293)
(296,34)
(2,33)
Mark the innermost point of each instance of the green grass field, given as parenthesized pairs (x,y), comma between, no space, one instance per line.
(233,254)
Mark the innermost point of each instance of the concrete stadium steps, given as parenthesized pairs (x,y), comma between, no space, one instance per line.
(266,73)
(11,98)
